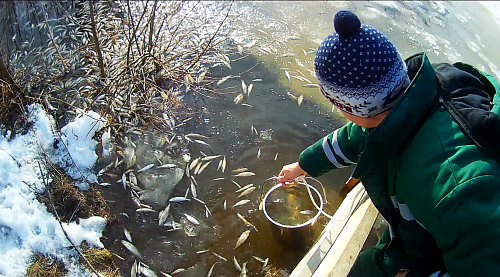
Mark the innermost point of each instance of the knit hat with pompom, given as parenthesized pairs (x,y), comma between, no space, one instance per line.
(359,70)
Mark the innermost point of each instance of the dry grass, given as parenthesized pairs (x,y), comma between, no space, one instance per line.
(43,266)
(71,202)
(101,260)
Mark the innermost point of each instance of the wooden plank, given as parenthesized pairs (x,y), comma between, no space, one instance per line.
(345,250)
(312,260)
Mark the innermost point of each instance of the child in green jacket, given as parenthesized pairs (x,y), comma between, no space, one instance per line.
(425,140)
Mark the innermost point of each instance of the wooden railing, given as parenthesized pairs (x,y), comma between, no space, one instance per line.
(335,251)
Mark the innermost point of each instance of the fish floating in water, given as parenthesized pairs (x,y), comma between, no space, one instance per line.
(287,74)
(245,174)
(192,219)
(241,202)
(236,264)
(243,237)
(178,199)
(246,221)
(131,248)
(219,256)
(246,192)
(146,167)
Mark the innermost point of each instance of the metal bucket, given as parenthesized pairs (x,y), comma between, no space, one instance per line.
(293,236)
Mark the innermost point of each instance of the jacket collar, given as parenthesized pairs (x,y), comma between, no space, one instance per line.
(404,120)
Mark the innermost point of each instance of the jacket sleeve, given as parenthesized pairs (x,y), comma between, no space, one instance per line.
(338,149)
(467,228)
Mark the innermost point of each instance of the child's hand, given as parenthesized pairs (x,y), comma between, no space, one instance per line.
(290,172)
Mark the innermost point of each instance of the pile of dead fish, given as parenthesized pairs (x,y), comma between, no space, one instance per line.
(192,168)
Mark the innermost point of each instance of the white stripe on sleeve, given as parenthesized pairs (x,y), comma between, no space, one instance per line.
(329,154)
(336,148)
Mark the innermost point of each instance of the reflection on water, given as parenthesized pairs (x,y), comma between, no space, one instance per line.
(271,129)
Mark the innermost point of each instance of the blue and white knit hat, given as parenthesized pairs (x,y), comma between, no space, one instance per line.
(358,68)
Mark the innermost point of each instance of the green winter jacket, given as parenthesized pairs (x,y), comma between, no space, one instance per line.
(437,189)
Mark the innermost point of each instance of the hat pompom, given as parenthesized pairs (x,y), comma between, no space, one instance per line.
(346,24)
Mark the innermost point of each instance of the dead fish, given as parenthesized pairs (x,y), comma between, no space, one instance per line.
(287,74)
(132,178)
(257,80)
(254,130)
(223,164)
(239,170)
(243,237)
(207,211)
(179,270)
(300,78)
(220,165)
(203,167)
(244,87)
(124,181)
(104,184)
(200,201)
(127,234)
(239,98)
(244,270)
(167,166)
(141,210)
(249,89)
(193,190)
(165,274)
(133,270)
(194,163)
(219,256)
(223,80)
(146,167)
(197,168)
(265,263)
(307,212)
(202,251)
(208,158)
(131,248)
(246,192)
(236,264)
(219,179)
(234,182)
(311,85)
(196,135)
(178,199)
(211,269)
(258,153)
(225,204)
(246,221)
(241,202)
(300,99)
(246,105)
(245,174)
(244,188)
(258,259)
(276,156)
(163,215)
(146,271)
(202,142)
(192,219)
